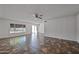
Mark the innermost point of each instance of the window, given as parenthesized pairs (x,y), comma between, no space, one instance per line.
(17,28)
(12,28)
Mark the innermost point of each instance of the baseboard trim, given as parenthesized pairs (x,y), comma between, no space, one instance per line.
(60,38)
(12,36)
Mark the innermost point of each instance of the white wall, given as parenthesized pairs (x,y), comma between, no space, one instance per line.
(41,27)
(2,10)
(61,28)
(78,27)
(5,28)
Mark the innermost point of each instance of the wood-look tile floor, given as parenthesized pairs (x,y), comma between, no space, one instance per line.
(33,44)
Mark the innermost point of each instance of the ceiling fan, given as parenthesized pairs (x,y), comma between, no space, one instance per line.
(39,16)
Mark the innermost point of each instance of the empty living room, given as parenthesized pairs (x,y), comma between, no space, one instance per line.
(39,28)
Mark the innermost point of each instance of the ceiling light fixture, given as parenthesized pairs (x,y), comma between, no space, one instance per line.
(39,16)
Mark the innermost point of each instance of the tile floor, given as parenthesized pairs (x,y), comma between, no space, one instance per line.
(33,44)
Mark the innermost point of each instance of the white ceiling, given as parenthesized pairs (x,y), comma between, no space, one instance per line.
(49,11)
